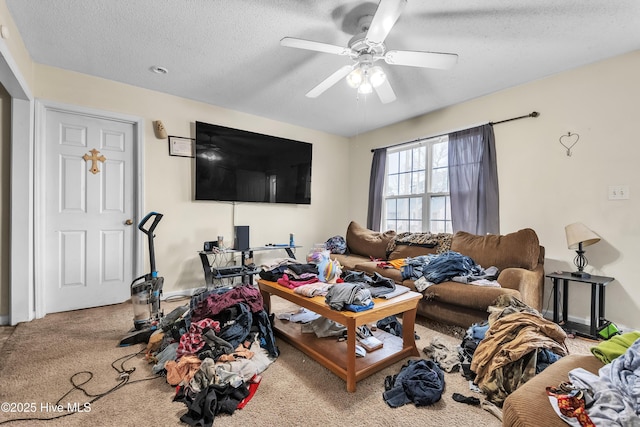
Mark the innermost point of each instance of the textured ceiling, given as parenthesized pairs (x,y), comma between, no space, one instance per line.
(227,53)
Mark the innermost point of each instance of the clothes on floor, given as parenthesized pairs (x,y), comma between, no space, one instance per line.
(447,358)
(507,356)
(469,400)
(420,382)
(215,302)
(183,370)
(203,406)
(192,341)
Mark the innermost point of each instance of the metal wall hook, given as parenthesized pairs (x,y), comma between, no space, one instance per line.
(568,141)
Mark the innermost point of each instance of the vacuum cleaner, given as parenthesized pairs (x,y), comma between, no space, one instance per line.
(145,292)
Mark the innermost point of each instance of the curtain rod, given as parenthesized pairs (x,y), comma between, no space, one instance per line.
(532,114)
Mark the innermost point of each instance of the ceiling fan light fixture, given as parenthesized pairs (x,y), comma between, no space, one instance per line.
(376,76)
(355,78)
(365,87)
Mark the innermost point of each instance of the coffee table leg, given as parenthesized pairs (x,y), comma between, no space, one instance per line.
(408,330)
(351,355)
(266,301)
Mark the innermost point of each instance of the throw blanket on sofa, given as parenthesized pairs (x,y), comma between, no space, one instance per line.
(615,391)
(441,241)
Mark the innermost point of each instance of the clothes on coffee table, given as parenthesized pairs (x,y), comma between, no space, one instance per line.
(313,289)
(420,382)
(378,285)
(358,307)
(293,283)
(341,294)
(294,269)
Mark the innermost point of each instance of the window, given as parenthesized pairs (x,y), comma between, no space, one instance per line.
(417,188)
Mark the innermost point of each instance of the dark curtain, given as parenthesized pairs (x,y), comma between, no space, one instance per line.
(376,187)
(473,181)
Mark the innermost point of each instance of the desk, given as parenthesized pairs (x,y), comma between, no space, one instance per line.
(243,270)
(598,284)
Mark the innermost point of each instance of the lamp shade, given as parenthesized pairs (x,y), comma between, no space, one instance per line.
(579,233)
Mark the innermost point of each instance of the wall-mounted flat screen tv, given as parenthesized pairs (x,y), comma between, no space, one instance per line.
(235,165)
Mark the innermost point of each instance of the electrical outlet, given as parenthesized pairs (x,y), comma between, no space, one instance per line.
(618,192)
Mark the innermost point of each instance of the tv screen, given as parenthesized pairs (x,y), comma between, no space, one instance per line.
(240,166)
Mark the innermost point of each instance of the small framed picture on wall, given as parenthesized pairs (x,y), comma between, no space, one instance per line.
(181,146)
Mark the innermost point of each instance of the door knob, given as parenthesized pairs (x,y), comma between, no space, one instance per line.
(128,222)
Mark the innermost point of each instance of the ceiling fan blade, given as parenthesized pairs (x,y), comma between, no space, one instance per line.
(330,81)
(385,92)
(317,46)
(385,18)
(421,59)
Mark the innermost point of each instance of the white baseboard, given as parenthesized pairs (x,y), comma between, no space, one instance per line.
(181,293)
(4,320)
(586,321)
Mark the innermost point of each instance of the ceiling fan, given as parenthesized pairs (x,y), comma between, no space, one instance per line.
(367,47)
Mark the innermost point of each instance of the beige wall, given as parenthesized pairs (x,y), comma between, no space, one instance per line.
(168,180)
(540,186)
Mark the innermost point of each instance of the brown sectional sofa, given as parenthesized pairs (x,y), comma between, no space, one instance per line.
(529,405)
(518,256)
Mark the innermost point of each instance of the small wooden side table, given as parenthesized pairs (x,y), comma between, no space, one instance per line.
(598,284)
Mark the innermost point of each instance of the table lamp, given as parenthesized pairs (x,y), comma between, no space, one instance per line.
(578,237)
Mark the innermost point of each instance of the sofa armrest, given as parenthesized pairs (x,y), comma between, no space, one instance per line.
(530,283)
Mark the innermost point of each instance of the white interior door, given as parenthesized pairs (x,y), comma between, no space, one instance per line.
(89,207)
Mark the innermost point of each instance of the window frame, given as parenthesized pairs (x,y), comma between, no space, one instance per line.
(425,196)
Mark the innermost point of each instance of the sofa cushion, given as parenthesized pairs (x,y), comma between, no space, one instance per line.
(405,250)
(466,295)
(349,261)
(371,267)
(362,241)
(520,249)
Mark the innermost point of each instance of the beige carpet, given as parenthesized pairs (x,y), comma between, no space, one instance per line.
(38,360)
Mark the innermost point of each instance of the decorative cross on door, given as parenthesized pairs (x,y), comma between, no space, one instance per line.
(94,160)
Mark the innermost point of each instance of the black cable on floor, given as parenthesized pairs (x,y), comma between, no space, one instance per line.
(124,376)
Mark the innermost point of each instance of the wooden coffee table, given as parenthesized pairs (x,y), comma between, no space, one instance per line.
(340,357)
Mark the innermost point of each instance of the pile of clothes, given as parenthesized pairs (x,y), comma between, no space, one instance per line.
(499,355)
(450,265)
(610,398)
(214,351)
(353,291)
